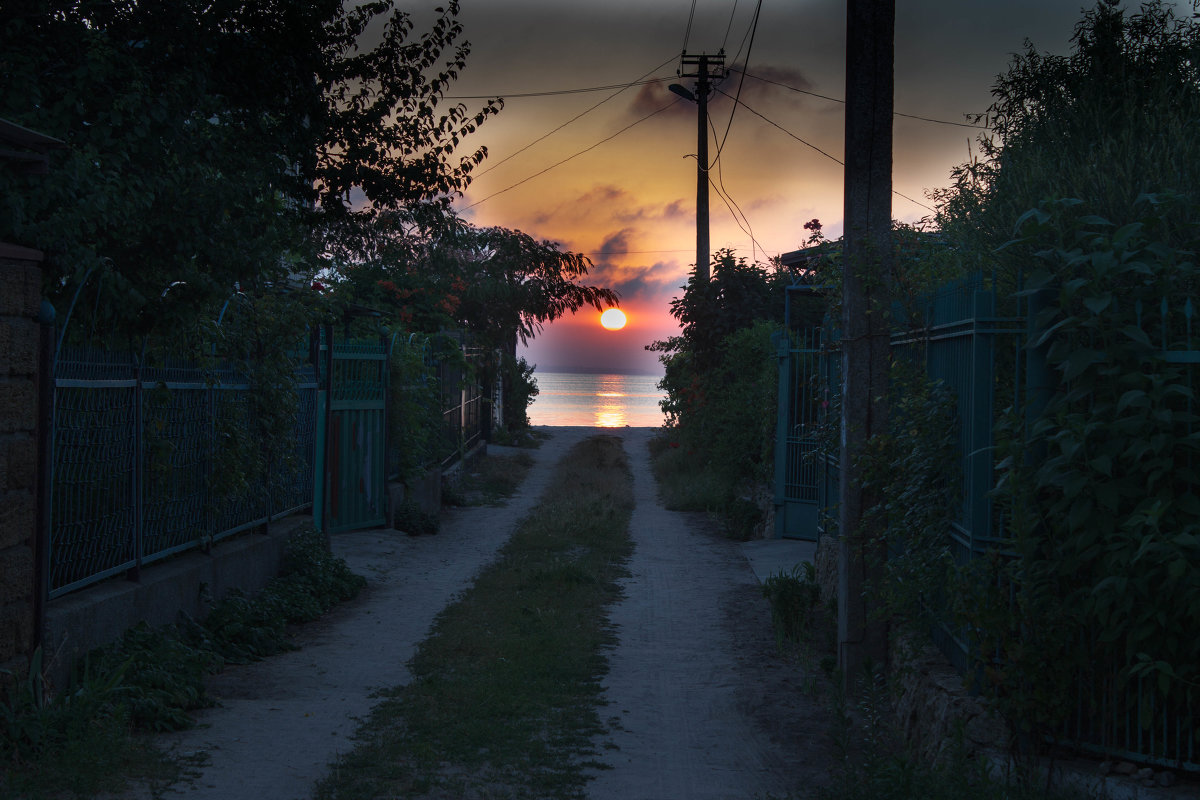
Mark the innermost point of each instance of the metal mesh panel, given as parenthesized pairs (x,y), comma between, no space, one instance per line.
(296,489)
(177,442)
(135,467)
(94,484)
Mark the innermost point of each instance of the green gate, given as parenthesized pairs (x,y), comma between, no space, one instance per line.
(354,488)
(801,471)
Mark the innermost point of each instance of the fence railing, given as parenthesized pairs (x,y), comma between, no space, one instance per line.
(144,452)
(135,448)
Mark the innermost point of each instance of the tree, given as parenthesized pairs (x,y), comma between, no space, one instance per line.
(207,142)
(738,294)
(1106,124)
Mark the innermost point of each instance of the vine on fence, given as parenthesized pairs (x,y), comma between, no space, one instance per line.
(1106,517)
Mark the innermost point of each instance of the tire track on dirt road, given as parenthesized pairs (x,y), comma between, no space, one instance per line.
(281,722)
(705,705)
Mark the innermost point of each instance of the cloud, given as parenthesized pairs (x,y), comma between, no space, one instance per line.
(766,81)
(653,96)
(604,204)
(655,282)
(766,85)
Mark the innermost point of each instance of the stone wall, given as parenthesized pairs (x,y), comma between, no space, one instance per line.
(20,335)
(934,711)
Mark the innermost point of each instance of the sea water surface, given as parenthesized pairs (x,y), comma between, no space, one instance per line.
(602,401)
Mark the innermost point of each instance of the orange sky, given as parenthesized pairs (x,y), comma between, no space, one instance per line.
(630,203)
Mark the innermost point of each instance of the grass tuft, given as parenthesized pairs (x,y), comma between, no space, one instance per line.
(504,692)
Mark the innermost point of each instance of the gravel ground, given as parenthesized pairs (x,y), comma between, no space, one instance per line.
(702,703)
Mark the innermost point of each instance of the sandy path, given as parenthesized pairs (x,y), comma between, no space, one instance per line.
(282,721)
(704,705)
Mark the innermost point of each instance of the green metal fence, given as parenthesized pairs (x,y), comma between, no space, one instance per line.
(956,337)
(134,452)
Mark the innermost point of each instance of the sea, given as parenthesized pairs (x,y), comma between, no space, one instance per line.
(596,400)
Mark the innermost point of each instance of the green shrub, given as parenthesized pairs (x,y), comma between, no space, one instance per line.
(793,596)
(415,522)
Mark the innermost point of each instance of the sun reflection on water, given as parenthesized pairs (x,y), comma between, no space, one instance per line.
(610,416)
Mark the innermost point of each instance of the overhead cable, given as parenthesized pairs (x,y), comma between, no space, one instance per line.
(545,136)
(729,27)
(556,92)
(687,33)
(837,100)
(575,155)
(724,194)
(741,82)
(819,150)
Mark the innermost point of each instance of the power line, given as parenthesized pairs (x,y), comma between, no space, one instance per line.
(819,150)
(724,194)
(741,82)
(729,27)
(575,155)
(687,33)
(556,92)
(545,136)
(750,233)
(837,100)
(742,103)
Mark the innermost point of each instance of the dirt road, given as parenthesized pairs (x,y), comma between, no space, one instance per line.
(708,708)
(702,703)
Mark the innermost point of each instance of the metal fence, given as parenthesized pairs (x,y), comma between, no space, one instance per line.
(956,337)
(135,452)
(462,407)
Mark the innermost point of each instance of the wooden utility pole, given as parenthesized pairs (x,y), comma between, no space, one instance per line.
(701,64)
(866,300)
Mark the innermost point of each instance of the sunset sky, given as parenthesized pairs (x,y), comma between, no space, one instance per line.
(629,203)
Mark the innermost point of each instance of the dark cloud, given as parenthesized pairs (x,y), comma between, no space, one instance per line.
(614,244)
(764,86)
(605,203)
(653,283)
(653,96)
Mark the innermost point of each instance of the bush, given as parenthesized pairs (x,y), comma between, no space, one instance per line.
(794,596)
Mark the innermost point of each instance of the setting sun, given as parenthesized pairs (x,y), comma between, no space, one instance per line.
(613,319)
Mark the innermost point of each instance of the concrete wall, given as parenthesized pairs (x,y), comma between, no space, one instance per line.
(20,298)
(82,621)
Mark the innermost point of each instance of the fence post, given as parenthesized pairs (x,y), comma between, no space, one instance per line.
(139,444)
(782,342)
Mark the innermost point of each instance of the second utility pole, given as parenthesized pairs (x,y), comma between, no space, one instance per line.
(702,172)
(701,63)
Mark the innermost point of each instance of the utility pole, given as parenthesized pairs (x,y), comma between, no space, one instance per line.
(867,278)
(701,64)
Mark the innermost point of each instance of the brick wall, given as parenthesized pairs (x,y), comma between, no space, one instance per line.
(20,298)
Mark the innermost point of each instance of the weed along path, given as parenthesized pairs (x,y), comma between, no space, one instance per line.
(702,703)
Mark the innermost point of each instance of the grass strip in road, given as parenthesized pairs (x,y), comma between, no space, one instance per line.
(505,692)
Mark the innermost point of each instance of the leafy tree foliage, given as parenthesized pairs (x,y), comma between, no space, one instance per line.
(737,294)
(721,378)
(430,271)
(200,135)
(1107,123)
(1092,162)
